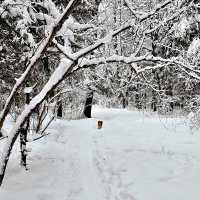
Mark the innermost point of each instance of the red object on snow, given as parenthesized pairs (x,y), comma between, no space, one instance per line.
(100,124)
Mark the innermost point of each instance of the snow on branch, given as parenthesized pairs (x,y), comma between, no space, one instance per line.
(143,16)
(116,58)
(157,8)
(49,5)
(162,23)
(108,37)
(35,59)
(85,63)
(134,12)
(63,50)
(124,27)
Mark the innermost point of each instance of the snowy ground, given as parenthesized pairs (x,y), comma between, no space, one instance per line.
(134,156)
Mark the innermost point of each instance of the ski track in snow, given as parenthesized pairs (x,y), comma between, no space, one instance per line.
(130,158)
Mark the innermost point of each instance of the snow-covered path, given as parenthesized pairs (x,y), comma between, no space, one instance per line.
(133,157)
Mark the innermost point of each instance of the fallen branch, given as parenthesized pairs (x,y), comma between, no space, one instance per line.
(37,138)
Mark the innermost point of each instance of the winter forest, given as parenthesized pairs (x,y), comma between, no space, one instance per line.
(99,99)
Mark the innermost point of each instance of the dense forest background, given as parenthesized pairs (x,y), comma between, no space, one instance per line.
(59,57)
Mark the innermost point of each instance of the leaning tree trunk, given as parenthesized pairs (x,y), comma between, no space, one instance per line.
(88,104)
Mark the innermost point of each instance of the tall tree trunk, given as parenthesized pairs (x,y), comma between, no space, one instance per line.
(23,135)
(123,98)
(88,104)
(124,102)
(60,110)
(154,101)
(23,139)
(138,97)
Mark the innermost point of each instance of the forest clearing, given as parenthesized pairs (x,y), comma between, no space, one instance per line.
(135,156)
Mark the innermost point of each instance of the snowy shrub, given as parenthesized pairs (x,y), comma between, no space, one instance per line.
(182,27)
(194,50)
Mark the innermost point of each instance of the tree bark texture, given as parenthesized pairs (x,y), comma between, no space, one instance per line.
(88,104)
(23,135)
